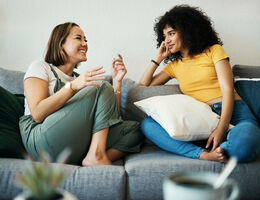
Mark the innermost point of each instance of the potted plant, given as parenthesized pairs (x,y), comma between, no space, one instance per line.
(40,180)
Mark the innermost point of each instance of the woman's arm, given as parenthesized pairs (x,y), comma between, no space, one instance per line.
(41,105)
(148,77)
(225,78)
(118,72)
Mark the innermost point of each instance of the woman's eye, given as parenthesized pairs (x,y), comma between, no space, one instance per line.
(172,34)
(86,40)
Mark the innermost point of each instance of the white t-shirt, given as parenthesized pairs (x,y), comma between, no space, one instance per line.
(42,70)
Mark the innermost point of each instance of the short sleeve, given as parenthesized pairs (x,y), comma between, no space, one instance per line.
(168,69)
(217,53)
(38,69)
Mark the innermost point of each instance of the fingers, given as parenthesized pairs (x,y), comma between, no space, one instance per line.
(92,75)
(221,155)
(162,45)
(119,59)
(118,67)
(214,146)
(95,71)
(118,63)
(209,142)
(96,78)
(120,56)
(92,83)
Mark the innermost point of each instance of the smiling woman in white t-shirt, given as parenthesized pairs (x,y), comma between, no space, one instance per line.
(81,112)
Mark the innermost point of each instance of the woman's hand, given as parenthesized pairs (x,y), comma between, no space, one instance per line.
(88,78)
(118,70)
(216,137)
(163,53)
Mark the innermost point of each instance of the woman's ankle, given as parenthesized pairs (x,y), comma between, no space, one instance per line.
(96,158)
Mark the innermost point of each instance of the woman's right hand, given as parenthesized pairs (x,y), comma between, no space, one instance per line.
(163,53)
(88,78)
(148,78)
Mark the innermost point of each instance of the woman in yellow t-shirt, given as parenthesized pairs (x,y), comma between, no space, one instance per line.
(191,47)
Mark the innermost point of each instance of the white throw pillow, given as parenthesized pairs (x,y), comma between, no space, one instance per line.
(183,117)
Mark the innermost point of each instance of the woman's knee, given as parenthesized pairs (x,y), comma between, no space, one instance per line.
(135,138)
(106,86)
(106,93)
(152,129)
(126,136)
(89,91)
(147,124)
(244,141)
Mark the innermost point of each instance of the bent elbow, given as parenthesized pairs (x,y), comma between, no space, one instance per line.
(37,118)
(140,83)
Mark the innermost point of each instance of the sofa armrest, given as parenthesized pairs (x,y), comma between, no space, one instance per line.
(12,80)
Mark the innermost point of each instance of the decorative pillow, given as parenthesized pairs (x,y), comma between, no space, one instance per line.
(249,91)
(132,92)
(183,117)
(11,108)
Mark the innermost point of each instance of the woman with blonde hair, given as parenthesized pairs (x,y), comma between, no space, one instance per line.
(81,112)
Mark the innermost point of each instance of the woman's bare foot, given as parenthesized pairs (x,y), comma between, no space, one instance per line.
(216,155)
(96,159)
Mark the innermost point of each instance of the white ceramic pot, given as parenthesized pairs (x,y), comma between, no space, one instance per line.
(198,186)
(65,196)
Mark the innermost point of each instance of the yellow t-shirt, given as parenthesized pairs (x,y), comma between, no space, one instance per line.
(197,76)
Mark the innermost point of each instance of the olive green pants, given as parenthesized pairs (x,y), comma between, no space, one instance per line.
(87,112)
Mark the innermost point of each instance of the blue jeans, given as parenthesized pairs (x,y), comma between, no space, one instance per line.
(242,141)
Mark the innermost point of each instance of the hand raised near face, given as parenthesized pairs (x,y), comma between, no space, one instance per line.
(163,52)
(118,69)
(88,78)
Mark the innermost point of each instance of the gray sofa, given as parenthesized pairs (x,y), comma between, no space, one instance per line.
(137,176)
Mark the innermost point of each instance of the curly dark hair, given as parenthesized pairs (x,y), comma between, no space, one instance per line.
(195,28)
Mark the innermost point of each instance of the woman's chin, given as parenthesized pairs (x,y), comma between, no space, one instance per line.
(84,59)
(173,51)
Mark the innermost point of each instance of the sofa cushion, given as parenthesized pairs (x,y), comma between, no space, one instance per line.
(132,92)
(249,91)
(147,170)
(96,182)
(11,108)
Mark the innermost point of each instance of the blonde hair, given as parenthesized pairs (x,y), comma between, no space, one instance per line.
(55,54)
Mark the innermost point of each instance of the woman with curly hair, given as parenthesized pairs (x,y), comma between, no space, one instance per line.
(196,58)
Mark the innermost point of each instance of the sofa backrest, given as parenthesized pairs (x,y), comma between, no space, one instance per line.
(12,80)
(246,71)
(131,92)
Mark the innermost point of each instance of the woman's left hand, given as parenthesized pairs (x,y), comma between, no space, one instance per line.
(118,70)
(216,137)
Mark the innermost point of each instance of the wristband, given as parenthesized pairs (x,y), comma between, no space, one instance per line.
(69,88)
(155,62)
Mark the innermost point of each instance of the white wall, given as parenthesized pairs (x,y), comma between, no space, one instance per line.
(124,26)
